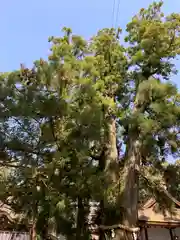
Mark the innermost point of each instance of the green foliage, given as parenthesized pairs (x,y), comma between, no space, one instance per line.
(56,121)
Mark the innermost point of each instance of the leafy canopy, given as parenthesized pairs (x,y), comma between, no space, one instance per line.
(57,134)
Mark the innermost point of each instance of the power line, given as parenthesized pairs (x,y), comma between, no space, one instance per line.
(117,13)
(113,12)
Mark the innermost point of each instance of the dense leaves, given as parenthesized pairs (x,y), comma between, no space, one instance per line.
(92,124)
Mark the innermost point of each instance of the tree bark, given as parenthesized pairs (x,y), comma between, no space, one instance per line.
(108,164)
(111,162)
(129,199)
(33,235)
(130,189)
(80,229)
(101,232)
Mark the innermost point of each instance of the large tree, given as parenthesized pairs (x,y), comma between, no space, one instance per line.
(146,104)
(50,122)
(151,120)
(91,121)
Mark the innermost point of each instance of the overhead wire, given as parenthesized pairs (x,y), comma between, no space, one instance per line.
(113,12)
(117,14)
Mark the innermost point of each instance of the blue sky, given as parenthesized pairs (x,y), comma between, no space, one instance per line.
(26,25)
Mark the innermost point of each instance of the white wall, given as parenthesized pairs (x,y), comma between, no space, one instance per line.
(11,235)
(157,233)
(177,232)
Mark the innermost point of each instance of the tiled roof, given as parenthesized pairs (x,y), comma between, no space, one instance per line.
(6,210)
(149,213)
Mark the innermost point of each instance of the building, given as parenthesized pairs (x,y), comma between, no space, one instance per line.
(156,224)
(16,227)
(12,226)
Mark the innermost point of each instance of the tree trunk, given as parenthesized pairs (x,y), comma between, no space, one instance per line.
(111,163)
(108,164)
(129,198)
(130,188)
(33,235)
(45,232)
(102,161)
(80,229)
(101,232)
(130,192)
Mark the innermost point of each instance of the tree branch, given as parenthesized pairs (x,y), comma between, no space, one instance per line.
(51,121)
(159,187)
